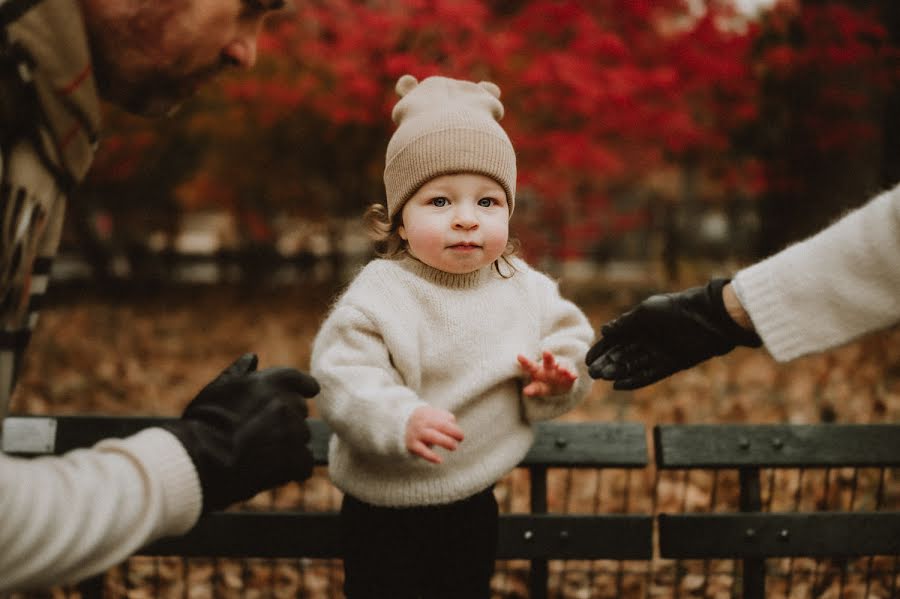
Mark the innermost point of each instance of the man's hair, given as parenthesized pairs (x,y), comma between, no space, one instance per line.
(385,236)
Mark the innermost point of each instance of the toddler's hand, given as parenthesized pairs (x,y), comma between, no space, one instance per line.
(427,427)
(547,377)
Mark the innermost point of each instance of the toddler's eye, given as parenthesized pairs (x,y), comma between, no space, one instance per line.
(439,202)
(486,202)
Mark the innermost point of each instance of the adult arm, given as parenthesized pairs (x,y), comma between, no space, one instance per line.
(824,291)
(831,288)
(66,518)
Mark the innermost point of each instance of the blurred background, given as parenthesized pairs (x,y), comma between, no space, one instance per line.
(660,142)
(648,133)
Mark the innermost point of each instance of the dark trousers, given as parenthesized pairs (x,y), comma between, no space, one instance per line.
(432,552)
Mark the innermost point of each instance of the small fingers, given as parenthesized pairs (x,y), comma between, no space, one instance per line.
(423,451)
(547,365)
(450,429)
(530,366)
(440,420)
(432,437)
(536,389)
(549,361)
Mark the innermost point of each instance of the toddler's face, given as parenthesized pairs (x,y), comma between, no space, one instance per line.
(457,223)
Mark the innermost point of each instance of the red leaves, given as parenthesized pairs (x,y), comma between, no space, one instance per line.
(829,67)
(597,94)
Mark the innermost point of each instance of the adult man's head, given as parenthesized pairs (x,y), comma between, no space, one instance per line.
(149,55)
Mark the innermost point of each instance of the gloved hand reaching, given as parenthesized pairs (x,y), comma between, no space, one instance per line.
(246,431)
(664,334)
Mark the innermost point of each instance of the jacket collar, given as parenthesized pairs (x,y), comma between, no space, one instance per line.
(53,34)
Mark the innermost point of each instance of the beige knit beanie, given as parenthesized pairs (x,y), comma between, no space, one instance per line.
(446,126)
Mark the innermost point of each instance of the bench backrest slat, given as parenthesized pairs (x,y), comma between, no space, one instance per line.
(777,445)
(557,444)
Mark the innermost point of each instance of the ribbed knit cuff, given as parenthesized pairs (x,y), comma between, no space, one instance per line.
(168,465)
(758,293)
(735,332)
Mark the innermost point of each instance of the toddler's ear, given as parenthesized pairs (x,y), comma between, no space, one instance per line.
(491,88)
(406,84)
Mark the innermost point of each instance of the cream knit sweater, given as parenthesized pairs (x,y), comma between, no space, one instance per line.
(831,288)
(404,335)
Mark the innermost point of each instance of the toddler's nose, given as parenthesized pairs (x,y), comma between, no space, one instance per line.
(464,218)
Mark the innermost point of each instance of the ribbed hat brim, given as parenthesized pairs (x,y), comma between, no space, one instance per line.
(445,152)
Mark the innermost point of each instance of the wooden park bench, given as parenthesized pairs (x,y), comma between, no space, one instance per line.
(537,536)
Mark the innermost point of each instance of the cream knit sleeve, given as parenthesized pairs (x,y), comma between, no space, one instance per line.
(362,397)
(830,288)
(67,518)
(567,334)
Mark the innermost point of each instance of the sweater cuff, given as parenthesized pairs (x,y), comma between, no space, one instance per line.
(756,289)
(168,465)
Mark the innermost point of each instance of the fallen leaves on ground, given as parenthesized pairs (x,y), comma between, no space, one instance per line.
(149,355)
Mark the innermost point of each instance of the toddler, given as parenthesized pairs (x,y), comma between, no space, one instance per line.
(439,357)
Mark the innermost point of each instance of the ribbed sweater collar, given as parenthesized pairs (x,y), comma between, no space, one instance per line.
(468,280)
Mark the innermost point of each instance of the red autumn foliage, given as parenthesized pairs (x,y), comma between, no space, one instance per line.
(598,96)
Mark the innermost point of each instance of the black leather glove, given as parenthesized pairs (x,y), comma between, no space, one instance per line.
(664,334)
(246,431)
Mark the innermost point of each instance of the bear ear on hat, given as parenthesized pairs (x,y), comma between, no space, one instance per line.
(496,108)
(406,84)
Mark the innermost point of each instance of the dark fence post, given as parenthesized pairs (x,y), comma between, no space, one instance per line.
(754,583)
(538,577)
